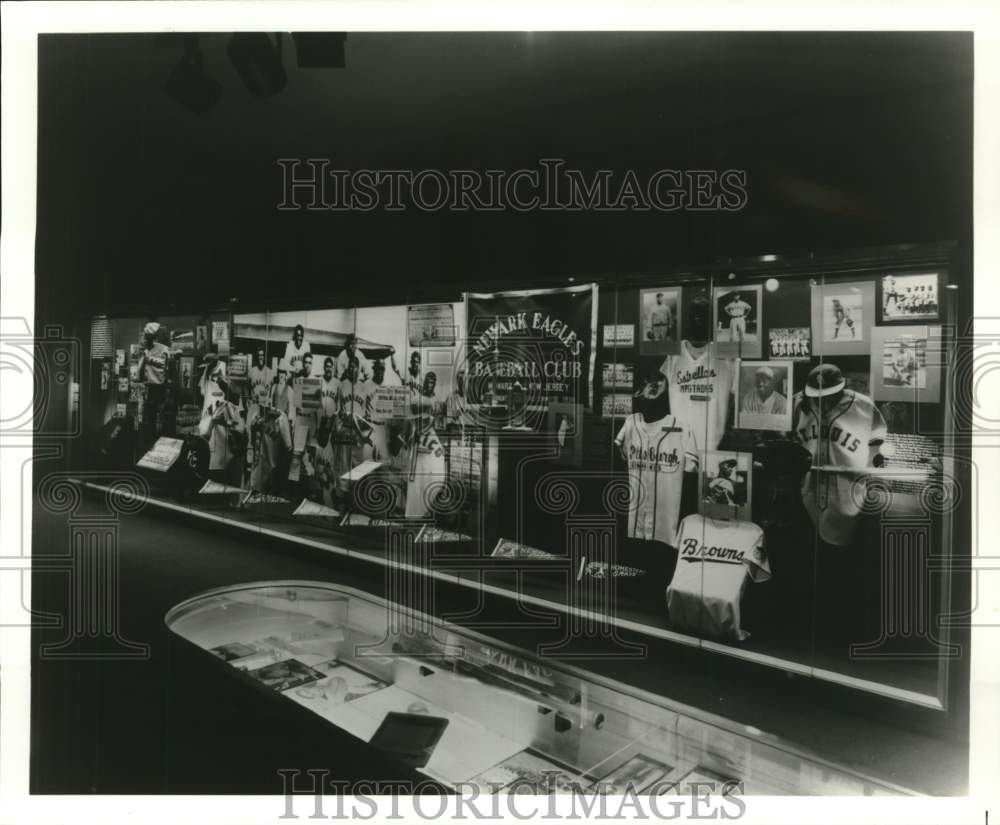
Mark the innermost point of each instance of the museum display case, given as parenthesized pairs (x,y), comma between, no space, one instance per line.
(714,457)
(468,711)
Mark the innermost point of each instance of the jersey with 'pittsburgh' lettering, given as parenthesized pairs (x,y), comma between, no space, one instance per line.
(715,561)
(699,386)
(657,453)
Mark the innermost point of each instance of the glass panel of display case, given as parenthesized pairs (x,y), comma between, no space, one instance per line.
(464,708)
(877,424)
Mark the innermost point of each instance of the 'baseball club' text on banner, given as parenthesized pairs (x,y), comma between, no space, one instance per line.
(541,340)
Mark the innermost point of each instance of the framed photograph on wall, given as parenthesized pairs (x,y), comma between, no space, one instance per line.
(725,486)
(764,396)
(790,342)
(906,363)
(905,299)
(842,317)
(660,320)
(738,312)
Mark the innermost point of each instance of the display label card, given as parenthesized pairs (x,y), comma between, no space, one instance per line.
(389,402)
(616,405)
(619,335)
(163,454)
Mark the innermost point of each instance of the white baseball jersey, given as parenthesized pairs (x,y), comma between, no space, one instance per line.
(700,386)
(427,472)
(328,396)
(737,309)
(344,358)
(294,355)
(154,363)
(657,452)
(261,379)
(841,438)
(715,560)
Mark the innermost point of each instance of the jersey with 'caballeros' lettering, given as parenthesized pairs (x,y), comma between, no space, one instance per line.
(715,560)
(841,437)
(657,452)
(699,387)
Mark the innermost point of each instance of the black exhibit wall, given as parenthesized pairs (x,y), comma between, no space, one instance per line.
(847,140)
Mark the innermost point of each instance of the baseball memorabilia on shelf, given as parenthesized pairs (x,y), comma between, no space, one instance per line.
(716,560)
(738,320)
(842,316)
(201,337)
(657,453)
(616,405)
(119,358)
(566,426)
(764,396)
(239,367)
(904,299)
(618,335)
(906,363)
(700,384)
(659,320)
(790,342)
(617,376)
(431,325)
(843,431)
(726,485)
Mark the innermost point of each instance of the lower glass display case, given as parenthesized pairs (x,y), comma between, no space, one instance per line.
(468,711)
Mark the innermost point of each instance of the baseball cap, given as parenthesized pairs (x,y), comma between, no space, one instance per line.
(824,380)
(765,371)
(151,328)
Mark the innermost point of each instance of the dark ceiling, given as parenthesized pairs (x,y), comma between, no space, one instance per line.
(848,140)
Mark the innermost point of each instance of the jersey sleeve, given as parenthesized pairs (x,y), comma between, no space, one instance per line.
(691,460)
(625,431)
(758,567)
(879,430)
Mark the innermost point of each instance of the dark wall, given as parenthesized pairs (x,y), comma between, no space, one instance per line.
(848,140)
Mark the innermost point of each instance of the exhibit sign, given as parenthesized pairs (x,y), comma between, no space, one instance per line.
(537,344)
(162,455)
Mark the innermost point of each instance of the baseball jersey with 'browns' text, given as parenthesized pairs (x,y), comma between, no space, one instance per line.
(843,435)
(715,561)
(699,386)
(657,453)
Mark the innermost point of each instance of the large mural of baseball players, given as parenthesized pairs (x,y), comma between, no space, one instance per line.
(342,410)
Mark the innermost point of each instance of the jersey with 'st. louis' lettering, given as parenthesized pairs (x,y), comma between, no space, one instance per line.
(657,453)
(840,435)
(699,386)
(715,560)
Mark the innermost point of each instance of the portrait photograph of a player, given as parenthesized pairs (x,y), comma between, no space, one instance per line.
(725,486)
(904,363)
(909,298)
(763,396)
(659,320)
(790,342)
(737,315)
(843,317)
